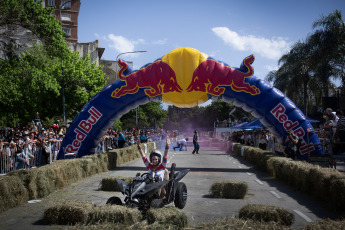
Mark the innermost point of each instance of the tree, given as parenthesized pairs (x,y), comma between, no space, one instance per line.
(32,81)
(148,115)
(308,67)
(328,48)
(30,15)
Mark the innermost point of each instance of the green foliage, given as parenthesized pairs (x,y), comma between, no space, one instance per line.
(306,71)
(34,80)
(148,115)
(117,125)
(32,16)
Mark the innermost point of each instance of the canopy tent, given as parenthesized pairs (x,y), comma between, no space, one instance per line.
(311,120)
(239,126)
(255,124)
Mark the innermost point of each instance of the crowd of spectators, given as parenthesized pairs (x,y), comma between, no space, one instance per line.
(30,145)
(331,132)
(114,139)
(33,145)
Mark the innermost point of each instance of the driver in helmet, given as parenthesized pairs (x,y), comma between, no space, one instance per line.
(156,164)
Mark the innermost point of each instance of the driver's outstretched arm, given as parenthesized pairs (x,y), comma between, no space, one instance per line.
(139,148)
(167,143)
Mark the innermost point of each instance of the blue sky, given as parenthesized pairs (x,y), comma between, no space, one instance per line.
(227,30)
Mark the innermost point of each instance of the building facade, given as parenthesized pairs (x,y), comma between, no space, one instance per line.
(67,11)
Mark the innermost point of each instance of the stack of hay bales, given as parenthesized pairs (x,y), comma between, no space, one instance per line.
(266,213)
(83,212)
(229,189)
(312,179)
(39,182)
(117,157)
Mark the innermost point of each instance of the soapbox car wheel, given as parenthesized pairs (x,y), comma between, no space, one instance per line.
(114,201)
(181,195)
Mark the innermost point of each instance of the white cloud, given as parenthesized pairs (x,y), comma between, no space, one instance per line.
(122,44)
(160,42)
(271,67)
(272,48)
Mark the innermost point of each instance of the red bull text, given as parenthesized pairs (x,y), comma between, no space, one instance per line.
(85,127)
(279,113)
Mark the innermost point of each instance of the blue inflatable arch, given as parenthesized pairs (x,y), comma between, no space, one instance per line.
(198,76)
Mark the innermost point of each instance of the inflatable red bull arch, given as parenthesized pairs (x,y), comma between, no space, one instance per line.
(186,77)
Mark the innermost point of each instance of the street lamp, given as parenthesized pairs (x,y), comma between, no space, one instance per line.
(63,83)
(136,109)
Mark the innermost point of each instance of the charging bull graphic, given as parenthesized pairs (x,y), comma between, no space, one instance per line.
(186,77)
(211,75)
(156,78)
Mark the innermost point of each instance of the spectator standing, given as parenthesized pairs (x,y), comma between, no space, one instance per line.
(38,120)
(143,137)
(116,140)
(291,141)
(340,133)
(327,129)
(121,139)
(196,142)
(263,141)
(18,150)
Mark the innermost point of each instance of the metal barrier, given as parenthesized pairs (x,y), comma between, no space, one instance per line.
(31,156)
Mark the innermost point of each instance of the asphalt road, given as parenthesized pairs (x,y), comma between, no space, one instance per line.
(207,167)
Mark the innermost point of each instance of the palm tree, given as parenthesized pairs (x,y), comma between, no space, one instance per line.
(293,75)
(328,49)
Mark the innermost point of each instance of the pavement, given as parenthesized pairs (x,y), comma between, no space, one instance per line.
(207,167)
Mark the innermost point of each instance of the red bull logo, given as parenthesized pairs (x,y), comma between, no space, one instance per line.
(211,75)
(184,77)
(157,78)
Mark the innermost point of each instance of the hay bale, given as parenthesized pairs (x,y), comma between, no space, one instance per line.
(229,189)
(12,192)
(338,200)
(325,225)
(114,214)
(68,213)
(266,213)
(110,184)
(167,216)
(69,170)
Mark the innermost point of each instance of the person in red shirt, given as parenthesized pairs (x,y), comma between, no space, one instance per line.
(156,164)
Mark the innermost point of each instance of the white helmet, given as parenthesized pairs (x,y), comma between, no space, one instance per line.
(156,153)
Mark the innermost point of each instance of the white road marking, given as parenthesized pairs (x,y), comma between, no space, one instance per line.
(276,194)
(259,181)
(239,166)
(249,174)
(302,215)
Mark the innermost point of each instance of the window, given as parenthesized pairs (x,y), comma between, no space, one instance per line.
(51,2)
(67,30)
(66,17)
(66,4)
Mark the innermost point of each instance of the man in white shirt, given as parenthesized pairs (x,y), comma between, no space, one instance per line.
(181,143)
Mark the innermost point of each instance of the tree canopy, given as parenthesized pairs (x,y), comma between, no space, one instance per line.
(306,72)
(33,80)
